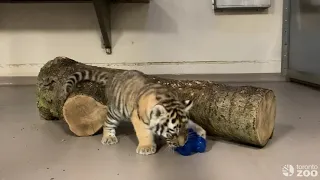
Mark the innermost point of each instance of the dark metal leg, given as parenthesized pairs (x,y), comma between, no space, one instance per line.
(102,8)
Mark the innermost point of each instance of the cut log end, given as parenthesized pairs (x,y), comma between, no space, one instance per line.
(84,115)
(266,118)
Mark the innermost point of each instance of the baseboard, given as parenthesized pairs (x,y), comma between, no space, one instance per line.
(18,80)
(32,80)
(196,67)
(256,77)
(237,71)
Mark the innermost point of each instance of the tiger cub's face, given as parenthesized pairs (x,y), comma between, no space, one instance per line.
(170,120)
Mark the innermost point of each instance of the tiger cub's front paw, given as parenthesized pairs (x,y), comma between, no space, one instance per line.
(109,140)
(146,149)
(201,132)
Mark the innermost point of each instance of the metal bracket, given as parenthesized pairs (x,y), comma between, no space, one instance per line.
(102,8)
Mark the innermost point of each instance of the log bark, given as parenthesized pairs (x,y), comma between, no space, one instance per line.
(244,114)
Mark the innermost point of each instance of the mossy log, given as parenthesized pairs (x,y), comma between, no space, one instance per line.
(243,114)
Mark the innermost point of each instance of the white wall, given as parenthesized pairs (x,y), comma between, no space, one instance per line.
(163,37)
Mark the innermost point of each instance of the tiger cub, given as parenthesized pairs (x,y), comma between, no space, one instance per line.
(153,109)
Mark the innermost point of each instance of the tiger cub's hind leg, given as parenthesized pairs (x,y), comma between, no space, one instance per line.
(146,145)
(109,130)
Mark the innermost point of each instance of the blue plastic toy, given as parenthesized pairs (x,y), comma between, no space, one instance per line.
(194,144)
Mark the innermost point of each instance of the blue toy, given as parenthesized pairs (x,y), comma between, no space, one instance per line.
(194,144)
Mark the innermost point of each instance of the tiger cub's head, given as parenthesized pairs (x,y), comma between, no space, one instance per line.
(170,120)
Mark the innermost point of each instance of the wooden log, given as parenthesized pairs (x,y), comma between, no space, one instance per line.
(244,114)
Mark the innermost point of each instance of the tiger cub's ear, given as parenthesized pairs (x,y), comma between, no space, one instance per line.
(188,105)
(157,111)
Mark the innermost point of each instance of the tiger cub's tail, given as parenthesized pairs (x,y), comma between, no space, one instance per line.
(86,75)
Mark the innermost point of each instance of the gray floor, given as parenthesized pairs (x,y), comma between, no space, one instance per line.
(32,149)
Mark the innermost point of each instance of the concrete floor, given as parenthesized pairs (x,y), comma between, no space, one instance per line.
(34,149)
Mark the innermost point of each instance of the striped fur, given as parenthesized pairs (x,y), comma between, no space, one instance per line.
(86,75)
(152,108)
